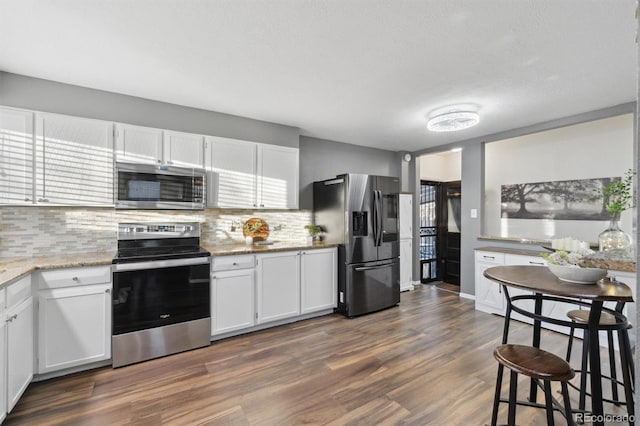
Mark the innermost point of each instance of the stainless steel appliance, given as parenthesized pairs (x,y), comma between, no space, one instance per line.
(148,186)
(360,213)
(161,302)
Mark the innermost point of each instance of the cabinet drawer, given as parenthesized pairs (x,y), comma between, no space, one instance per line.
(227,263)
(3,300)
(518,259)
(69,277)
(18,291)
(490,257)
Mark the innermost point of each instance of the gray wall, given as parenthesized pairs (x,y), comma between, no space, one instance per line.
(48,96)
(323,159)
(473,187)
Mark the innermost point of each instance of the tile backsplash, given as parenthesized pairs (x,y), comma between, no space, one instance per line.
(42,231)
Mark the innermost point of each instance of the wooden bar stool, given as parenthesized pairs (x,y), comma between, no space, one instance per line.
(607,322)
(539,365)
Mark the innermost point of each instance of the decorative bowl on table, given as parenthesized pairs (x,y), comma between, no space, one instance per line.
(577,275)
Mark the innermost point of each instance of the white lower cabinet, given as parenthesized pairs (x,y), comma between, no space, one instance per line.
(3,363)
(489,296)
(74,326)
(19,364)
(74,317)
(318,280)
(278,286)
(232,300)
(248,291)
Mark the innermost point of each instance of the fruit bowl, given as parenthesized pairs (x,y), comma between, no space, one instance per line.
(577,275)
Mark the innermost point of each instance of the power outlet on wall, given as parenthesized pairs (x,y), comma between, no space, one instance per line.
(474,213)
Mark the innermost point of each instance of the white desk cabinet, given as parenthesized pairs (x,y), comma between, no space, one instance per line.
(489,296)
(74,317)
(318,280)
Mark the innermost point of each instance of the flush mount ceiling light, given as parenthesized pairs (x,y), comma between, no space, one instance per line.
(452,121)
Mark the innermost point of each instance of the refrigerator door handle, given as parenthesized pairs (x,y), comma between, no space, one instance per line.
(375,218)
(367,268)
(379,218)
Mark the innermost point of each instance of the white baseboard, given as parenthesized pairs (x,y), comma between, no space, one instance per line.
(467,296)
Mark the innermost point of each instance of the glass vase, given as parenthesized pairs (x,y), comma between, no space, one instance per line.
(614,238)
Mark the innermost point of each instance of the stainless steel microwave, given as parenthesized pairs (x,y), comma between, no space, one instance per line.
(149,186)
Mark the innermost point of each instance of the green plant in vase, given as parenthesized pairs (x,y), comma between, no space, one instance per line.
(314,231)
(617,196)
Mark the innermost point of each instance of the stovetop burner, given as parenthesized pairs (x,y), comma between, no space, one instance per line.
(145,242)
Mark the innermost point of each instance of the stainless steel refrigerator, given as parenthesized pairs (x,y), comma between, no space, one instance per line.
(360,213)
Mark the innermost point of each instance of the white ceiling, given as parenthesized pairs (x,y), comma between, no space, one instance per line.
(366,72)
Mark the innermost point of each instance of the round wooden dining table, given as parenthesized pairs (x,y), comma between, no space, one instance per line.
(547,287)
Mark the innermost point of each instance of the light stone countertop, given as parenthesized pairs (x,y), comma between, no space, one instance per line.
(17,267)
(598,260)
(241,248)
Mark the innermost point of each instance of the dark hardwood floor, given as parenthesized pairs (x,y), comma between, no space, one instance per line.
(426,362)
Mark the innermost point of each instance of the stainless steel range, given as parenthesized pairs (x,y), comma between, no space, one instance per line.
(160,291)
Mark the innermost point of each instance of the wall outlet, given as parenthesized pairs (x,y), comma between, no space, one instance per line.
(474,213)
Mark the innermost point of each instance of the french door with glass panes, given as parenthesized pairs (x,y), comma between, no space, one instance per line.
(429,202)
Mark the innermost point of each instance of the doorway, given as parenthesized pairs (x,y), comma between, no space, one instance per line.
(440,218)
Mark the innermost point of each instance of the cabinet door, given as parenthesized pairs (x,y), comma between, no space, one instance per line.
(184,149)
(528,305)
(232,300)
(318,280)
(406,215)
(489,295)
(232,178)
(74,160)
(16,156)
(277,177)
(406,263)
(138,144)
(278,286)
(74,326)
(19,350)
(3,364)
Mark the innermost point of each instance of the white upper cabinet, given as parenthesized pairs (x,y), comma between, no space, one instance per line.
(137,144)
(252,175)
(74,160)
(16,156)
(184,149)
(277,177)
(232,178)
(406,215)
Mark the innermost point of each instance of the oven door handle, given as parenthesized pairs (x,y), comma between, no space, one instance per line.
(155,264)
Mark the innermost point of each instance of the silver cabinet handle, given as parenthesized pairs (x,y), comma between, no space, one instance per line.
(12,317)
(27,199)
(536,263)
(159,162)
(108,291)
(43,200)
(235,263)
(75,279)
(489,257)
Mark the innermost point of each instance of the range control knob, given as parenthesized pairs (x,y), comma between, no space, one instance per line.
(188,228)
